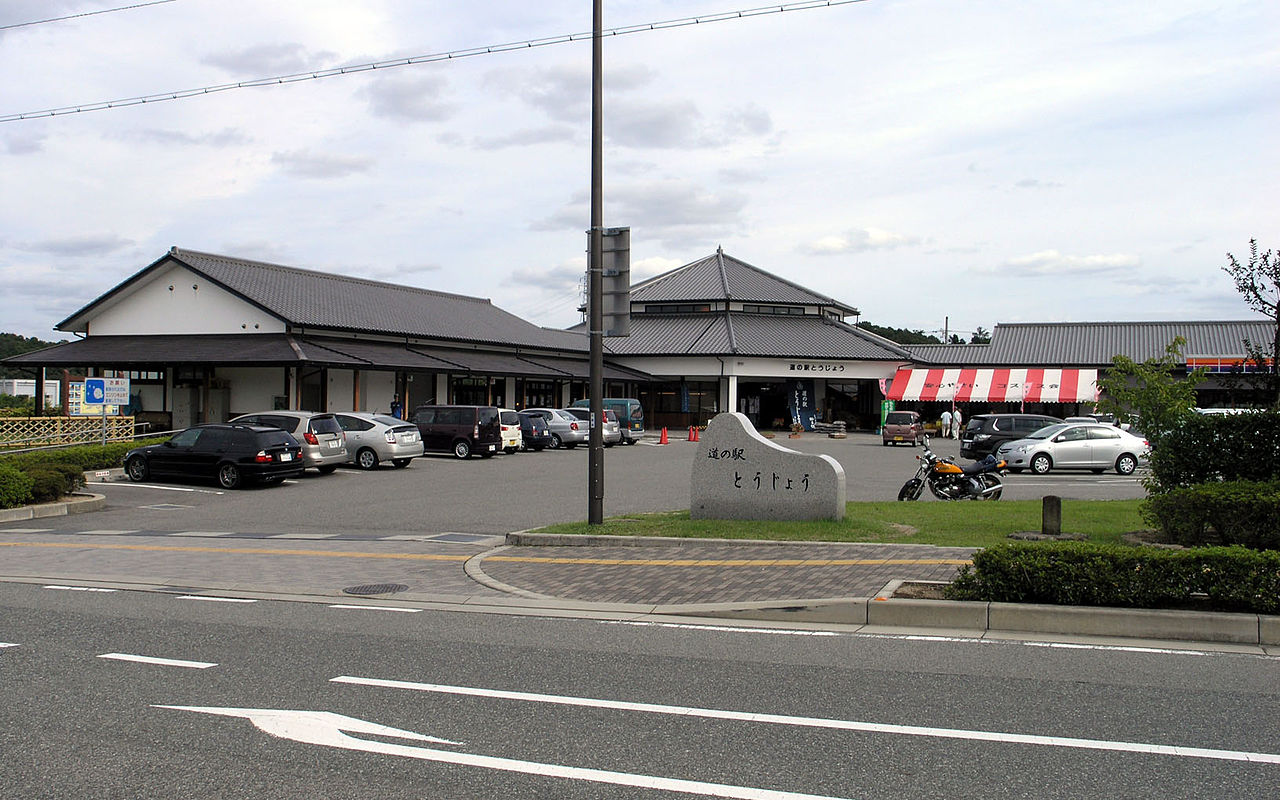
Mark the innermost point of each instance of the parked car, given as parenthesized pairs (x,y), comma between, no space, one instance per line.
(902,427)
(324,445)
(611,434)
(374,438)
(630,416)
(983,433)
(511,434)
(232,454)
(461,430)
(534,433)
(566,430)
(1076,445)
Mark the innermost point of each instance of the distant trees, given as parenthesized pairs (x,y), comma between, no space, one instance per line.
(1258,282)
(900,335)
(11,344)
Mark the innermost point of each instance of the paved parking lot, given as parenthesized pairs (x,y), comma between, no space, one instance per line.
(440,494)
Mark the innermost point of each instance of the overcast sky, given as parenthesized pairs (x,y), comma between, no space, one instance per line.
(931,162)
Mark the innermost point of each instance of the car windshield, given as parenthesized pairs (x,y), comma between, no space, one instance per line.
(1048,431)
(326,424)
(899,418)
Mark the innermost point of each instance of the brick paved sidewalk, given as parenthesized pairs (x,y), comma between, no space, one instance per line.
(717,572)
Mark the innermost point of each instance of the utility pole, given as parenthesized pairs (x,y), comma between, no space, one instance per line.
(595,279)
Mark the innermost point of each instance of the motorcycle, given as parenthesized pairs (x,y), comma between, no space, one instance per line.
(948,480)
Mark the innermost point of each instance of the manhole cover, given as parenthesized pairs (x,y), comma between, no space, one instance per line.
(375,588)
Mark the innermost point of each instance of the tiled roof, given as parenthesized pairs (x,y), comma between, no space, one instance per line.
(720,277)
(309,299)
(1096,343)
(710,334)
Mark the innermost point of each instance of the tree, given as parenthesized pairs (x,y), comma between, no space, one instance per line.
(900,335)
(12,344)
(980,336)
(1150,391)
(1258,282)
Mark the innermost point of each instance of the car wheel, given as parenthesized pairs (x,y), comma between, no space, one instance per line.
(556,444)
(229,476)
(327,469)
(137,469)
(1126,464)
(1041,464)
(366,459)
(400,463)
(462,449)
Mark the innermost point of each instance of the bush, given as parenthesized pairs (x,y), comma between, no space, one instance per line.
(1233,512)
(1081,573)
(85,457)
(47,484)
(15,486)
(1218,447)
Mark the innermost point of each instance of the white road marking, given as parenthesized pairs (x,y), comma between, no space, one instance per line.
(26,530)
(823,722)
(378,608)
(326,728)
(203,533)
(165,488)
(7,644)
(79,588)
(101,533)
(303,536)
(164,662)
(216,599)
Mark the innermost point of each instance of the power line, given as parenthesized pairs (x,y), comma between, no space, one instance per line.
(82,14)
(424,59)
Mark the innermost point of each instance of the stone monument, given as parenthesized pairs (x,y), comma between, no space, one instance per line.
(739,474)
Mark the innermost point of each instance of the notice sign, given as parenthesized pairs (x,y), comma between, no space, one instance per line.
(98,396)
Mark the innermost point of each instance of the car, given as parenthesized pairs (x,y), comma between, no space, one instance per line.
(983,433)
(232,454)
(461,430)
(324,445)
(902,427)
(630,416)
(375,438)
(611,434)
(534,433)
(511,434)
(1076,445)
(567,431)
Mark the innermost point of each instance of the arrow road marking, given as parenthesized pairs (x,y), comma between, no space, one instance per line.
(328,729)
(825,722)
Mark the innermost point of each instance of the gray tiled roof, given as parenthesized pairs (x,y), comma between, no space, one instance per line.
(308,299)
(719,277)
(714,333)
(1095,343)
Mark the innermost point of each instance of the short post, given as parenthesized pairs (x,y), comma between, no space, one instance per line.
(1051,515)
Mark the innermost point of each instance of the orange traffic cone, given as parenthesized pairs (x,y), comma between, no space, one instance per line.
(691,437)
(663,440)
(695,434)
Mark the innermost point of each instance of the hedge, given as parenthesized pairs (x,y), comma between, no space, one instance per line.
(15,486)
(1218,447)
(86,457)
(1233,512)
(1087,574)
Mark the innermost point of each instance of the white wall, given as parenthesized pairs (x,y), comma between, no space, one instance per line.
(376,391)
(341,390)
(192,305)
(252,388)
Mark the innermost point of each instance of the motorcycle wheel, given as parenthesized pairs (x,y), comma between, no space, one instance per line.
(909,491)
(989,481)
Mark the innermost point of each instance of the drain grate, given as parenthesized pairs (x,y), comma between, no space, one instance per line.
(375,588)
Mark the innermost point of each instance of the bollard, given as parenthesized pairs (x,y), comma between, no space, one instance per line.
(1051,515)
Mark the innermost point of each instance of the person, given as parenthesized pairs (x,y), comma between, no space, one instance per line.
(397,408)
(944,426)
(955,424)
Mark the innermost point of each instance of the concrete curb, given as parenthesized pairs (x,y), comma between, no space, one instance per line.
(74,504)
(530,539)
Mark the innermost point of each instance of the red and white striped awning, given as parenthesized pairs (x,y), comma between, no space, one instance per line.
(1029,385)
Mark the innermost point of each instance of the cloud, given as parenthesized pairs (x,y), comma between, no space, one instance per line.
(227,137)
(858,240)
(1032,183)
(1051,262)
(78,246)
(559,279)
(20,144)
(528,136)
(269,60)
(305,164)
(397,273)
(417,97)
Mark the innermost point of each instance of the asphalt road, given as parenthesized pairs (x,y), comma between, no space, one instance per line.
(843,715)
(514,492)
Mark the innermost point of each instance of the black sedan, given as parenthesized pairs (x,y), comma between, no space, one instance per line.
(233,454)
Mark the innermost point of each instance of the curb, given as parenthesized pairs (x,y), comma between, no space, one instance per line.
(74,504)
(529,539)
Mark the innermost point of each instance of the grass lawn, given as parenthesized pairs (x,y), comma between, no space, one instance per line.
(965,524)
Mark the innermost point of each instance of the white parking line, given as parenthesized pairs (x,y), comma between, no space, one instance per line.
(164,662)
(377,608)
(303,536)
(823,722)
(216,599)
(79,588)
(7,644)
(25,530)
(165,488)
(102,533)
(203,534)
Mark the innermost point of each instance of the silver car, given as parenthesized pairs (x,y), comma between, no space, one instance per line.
(1076,445)
(324,445)
(374,438)
(612,431)
(566,430)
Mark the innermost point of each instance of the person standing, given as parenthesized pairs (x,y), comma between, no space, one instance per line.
(944,425)
(955,424)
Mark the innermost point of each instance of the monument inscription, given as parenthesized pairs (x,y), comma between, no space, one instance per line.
(739,474)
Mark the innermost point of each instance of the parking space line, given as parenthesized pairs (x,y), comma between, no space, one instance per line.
(163,662)
(375,608)
(302,536)
(80,589)
(102,533)
(216,599)
(203,534)
(245,551)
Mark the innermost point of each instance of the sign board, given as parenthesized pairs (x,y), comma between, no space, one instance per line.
(109,391)
(78,404)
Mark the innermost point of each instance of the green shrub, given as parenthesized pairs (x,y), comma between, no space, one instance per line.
(85,457)
(1233,512)
(1206,448)
(1081,573)
(15,486)
(47,484)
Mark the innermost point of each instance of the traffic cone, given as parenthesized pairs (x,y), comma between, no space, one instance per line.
(692,437)
(663,440)
(695,434)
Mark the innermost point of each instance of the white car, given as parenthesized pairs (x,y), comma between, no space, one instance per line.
(512,438)
(1076,445)
(610,434)
(374,438)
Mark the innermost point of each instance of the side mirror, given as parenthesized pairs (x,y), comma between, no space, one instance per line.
(168,443)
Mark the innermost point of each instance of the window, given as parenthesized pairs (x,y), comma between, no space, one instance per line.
(677,308)
(354,423)
(791,311)
(1104,432)
(187,438)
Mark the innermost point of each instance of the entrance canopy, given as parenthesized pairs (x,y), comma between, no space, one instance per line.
(1027,385)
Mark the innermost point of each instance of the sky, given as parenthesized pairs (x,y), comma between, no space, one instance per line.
(937,164)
